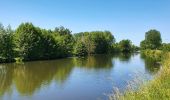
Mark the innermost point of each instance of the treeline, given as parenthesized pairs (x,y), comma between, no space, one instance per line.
(29,42)
(98,42)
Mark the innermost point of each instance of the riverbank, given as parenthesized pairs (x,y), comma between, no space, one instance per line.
(157,89)
(156,55)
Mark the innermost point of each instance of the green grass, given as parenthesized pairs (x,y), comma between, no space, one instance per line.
(153,54)
(156,89)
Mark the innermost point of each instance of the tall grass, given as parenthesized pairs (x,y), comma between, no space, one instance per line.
(156,89)
(153,54)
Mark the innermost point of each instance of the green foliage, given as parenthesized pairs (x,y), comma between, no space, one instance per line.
(50,45)
(125,46)
(152,40)
(80,49)
(156,55)
(65,41)
(96,42)
(33,43)
(62,31)
(135,48)
(165,47)
(6,44)
(28,41)
(102,41)
(115,48)
(143,45)
(89,44)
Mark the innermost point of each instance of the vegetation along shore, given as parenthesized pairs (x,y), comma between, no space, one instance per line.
(29,42)
(159,87)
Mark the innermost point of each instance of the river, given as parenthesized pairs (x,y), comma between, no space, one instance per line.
(88,78)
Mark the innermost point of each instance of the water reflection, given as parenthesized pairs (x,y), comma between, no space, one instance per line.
(151,65)
(95,62)
(124,57)
(32,76)
(6,74)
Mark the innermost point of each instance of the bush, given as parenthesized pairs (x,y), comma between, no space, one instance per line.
(156,55)
(165,47)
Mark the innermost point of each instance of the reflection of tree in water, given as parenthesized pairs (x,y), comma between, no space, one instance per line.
(30,76)
(95,62)
(6,74)
(151,65)
(124,57)
(64,70)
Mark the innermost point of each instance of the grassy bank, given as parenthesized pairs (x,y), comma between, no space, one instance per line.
(156,55)
(157,89)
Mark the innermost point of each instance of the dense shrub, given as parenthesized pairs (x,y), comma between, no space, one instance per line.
(153,54)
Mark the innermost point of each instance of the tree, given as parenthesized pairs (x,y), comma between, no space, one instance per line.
(143,45)
(115,48)
(84,44)
(28,41)
(62,31)
(165,47)
(89,44)
(125,45)
(152,40)
(80,48)
(6,43)
(96,42)
(65,40)
(50,45)
(134,48)
(33,43)
(103,41)
(2,32)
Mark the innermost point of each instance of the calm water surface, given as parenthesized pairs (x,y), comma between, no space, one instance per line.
(87,78)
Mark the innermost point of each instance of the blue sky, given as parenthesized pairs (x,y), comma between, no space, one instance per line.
(126,19)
